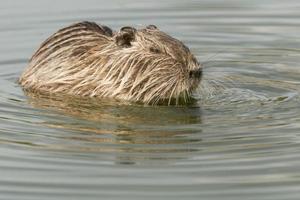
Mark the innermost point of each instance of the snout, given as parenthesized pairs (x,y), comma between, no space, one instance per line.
(196,74)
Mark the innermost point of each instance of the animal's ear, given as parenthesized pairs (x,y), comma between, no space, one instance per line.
(152,27)
(125,36)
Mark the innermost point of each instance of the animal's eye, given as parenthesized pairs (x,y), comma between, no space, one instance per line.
(154,50)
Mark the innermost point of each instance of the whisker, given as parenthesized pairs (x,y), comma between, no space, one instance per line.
(214,55)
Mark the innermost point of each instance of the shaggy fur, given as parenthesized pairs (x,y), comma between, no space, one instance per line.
(85,59)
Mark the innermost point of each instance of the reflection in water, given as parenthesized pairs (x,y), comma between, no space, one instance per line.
(134,133)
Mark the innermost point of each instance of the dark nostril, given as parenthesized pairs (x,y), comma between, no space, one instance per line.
(196,73)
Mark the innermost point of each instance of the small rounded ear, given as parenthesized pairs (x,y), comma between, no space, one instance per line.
(151,27)
(125,36)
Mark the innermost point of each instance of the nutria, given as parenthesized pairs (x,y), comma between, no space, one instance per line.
(141,65)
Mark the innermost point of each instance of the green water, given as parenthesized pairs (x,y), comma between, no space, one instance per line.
(240,141)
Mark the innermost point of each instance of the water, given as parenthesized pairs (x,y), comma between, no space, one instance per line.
(240,141)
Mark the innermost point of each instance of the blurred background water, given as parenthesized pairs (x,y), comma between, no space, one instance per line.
(240,141)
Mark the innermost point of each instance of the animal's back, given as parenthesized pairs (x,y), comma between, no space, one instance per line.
(61,61)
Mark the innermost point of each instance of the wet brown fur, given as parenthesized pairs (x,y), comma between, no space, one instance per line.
(86,59)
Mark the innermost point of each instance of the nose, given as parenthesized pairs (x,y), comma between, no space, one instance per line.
(196,73)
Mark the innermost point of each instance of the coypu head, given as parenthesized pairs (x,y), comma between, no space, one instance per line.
(160,67)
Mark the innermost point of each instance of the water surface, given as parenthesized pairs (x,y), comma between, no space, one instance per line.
(240,141)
